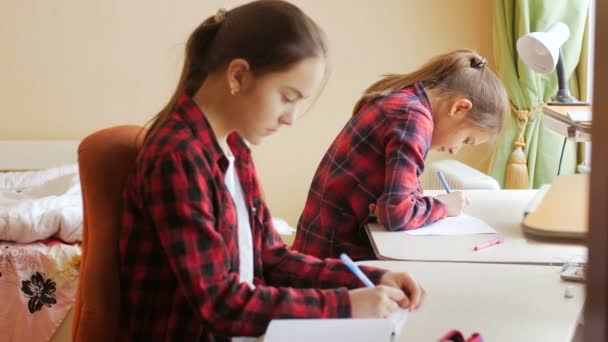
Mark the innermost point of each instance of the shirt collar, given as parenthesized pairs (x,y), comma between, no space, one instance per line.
(424,99)
(193,115)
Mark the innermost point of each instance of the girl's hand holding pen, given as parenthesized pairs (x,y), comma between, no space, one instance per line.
(455,202)
(394,290)
(375,302)
(414,293)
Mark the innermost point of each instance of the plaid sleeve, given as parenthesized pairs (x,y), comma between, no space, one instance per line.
(401,206)
(178,197)
(287,267)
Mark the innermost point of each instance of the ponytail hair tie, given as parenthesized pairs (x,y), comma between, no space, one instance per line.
(478,62)
(220,15)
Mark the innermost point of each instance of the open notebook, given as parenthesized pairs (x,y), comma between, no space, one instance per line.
(339,329)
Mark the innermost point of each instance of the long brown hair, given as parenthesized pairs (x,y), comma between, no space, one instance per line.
(460,72)
(271,35)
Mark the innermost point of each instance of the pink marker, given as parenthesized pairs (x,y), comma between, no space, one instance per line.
(489,243)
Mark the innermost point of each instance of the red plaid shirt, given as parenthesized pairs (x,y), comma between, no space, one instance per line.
(377,158)
(179,253)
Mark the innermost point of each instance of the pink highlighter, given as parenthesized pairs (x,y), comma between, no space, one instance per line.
(490,243)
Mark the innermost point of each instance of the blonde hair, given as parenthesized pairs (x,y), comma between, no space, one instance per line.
(457,73)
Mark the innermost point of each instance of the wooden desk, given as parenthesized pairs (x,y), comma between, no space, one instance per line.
(501,302)
(503,210)
(556,119)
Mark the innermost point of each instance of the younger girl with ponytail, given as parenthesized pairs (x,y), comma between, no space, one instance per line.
(200,259)
(376,161)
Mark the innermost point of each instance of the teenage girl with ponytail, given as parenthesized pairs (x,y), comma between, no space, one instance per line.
(200,259)
(374,164)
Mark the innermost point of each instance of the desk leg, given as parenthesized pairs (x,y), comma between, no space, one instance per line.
(585,166)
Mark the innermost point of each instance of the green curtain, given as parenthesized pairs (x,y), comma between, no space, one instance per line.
(528,89)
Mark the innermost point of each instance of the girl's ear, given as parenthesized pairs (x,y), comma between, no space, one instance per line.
(236,72)
(460,108)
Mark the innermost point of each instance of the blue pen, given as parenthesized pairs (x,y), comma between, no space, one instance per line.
(443,181)
(356,270)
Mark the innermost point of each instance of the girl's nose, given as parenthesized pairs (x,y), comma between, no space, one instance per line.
(288,118)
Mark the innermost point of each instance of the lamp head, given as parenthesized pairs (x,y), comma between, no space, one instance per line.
(540,50)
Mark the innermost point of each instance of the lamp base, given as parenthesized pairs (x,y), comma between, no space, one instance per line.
(564,98)
(556,102)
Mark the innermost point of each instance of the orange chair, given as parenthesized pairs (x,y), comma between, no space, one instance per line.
(105,158)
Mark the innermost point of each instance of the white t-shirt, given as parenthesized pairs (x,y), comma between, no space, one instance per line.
(235,188)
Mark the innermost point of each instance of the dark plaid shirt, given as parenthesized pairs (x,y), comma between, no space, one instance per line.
(377,158)
(179,253)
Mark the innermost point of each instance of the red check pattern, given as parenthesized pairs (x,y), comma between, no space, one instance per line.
(377,158)
(179,253)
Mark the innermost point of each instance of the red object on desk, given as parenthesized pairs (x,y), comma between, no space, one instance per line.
(457,336)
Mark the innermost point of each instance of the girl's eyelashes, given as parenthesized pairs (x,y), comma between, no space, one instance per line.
(286,99)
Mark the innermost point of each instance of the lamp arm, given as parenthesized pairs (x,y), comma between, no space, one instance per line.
(563,94)
(561,76)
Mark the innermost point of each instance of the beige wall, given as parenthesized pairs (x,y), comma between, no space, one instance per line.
(70,67)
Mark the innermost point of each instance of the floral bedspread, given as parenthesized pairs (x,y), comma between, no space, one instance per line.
(38,284)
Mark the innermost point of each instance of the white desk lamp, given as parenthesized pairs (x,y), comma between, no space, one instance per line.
(541,52)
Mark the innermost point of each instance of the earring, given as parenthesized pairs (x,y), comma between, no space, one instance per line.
(234,90)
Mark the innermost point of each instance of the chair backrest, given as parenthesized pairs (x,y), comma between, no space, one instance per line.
(105,159)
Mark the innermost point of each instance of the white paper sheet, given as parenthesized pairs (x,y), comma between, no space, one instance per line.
(457,225)
(331,330)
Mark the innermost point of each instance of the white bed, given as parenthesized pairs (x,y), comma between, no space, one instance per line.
(28,155)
